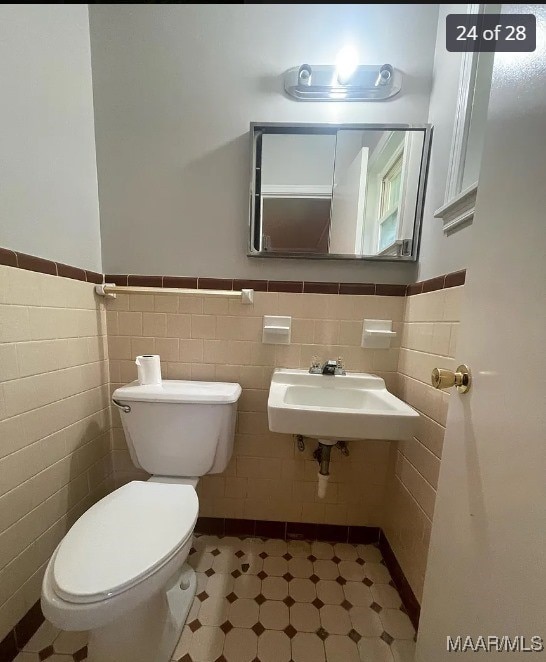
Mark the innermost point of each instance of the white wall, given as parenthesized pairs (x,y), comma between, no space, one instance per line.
(349,194)
(440,253)
(48,195)
(176,87)
(297,159)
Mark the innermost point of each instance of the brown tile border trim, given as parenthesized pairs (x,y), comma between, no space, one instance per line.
(11,258)
(292,286)
(22,261)
(407,595)
(452,279)
(295,286)
(220,526)
(15,640)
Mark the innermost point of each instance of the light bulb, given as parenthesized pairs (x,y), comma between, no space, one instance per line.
(346,64)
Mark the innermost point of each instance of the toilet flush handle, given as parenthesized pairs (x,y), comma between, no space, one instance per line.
(124,408)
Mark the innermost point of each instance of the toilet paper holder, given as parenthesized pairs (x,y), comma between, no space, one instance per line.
(124,408)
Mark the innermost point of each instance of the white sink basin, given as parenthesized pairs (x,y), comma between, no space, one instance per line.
(353,406)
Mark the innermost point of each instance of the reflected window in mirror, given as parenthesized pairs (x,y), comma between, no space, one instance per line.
(335,191)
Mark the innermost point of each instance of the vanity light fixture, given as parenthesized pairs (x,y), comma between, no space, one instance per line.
(344,81)
(346,64)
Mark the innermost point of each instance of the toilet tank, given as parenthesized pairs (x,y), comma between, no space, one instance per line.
(179,428)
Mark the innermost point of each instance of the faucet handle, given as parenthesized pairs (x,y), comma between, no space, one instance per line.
(315,366)
(340,370)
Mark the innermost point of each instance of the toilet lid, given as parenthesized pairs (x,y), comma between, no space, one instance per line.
(123,538)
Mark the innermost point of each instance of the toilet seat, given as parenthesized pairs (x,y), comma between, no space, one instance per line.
(122,539)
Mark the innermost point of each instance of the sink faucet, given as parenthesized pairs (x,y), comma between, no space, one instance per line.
(330,367)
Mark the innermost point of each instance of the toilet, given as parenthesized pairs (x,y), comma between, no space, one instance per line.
(121,572)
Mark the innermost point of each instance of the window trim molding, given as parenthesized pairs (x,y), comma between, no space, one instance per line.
(458,207)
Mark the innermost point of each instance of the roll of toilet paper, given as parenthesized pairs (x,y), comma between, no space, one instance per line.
(149,369)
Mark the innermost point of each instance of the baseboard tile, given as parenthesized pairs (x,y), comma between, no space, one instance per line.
(410,602)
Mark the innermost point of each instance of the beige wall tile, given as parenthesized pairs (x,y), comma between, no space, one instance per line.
(429,337)
(258,467)
(228,373)
(141,346)
(452,304)
(202,372)
(21,287)
(14,323)
(253,400)
(265,303)
(119,347)
(303,331)
(295,305)
(191,304)
(179,326)
(430,434)
(215,351)
(215,306)
(167,348)
(287,356)
(155,324)
(191,350)
(203,326)
(453,340)
(441,339)
(207,339)
(36,357)
(141,302)
(426,463)
(423,493)
(264,445)
(252,376)
(350,333)
(229,327)
(385,360)
(262,355)
(165,304)
(252,423)
(13,435)
(112,323)
(121,302)
(56,442)
(236,487)
(326,332)
(129,323)
(8,361)
(178,371)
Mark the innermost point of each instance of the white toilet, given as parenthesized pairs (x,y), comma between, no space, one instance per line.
(120,571)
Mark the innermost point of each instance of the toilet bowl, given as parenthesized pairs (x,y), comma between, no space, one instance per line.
(120,571)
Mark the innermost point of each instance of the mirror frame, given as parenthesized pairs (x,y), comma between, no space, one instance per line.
(257,128)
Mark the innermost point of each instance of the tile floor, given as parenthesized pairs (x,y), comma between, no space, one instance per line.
(275,601)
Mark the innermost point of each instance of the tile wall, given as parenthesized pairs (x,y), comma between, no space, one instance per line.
(61,448)
(54,424)
(429,340)
(220,339)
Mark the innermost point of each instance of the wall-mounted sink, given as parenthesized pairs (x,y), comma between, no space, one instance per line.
(352,406)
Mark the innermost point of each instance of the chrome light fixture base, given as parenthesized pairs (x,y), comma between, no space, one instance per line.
(323,83)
